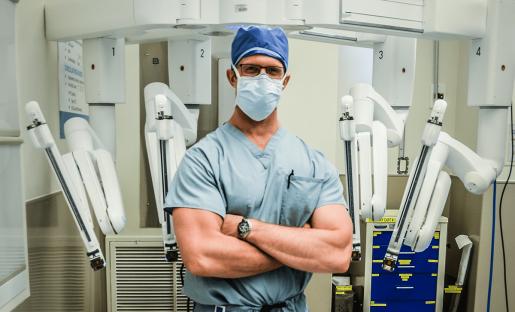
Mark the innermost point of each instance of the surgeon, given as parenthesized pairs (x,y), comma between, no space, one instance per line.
(255,209)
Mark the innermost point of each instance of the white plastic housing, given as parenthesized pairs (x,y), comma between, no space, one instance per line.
(441,18)
(78,136)
(113,18)
(347,126)
(432,130)
(380,150)
(181,114)
(88,175)
(189,70)
(103,122)
(434,212)
(413,18)
(365,170)
(476,173)
(368,106)
(112,191)
(491,137)
(491,64)
(104,70)
(428,194)
(394,70)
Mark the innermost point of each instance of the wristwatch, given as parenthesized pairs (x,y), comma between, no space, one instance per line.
(244,228)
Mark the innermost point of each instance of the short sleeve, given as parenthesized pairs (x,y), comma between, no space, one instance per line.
(332,188)
(195,186)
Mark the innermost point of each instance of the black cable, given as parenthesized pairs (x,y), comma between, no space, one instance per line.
(182,276)
(182,283)
(500,211)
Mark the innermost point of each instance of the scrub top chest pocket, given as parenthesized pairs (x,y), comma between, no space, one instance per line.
(300,198)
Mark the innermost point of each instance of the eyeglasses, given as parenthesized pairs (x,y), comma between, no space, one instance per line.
(274,72)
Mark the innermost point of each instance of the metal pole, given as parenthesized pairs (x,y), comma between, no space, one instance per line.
(435,96)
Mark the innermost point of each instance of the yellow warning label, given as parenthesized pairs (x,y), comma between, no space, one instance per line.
(375,247)
(404,279)
(434,274)
(453,289)
(343,288)
(375,274)
(435,261)
(405,275)
(435,247)
(437,235)
(340,292)
(373,304)
(377,233)
(383,220)
(377,261)
(430,302)
(404,262)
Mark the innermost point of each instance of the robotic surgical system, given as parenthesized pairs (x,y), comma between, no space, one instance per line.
(88,163)
(368,118)
(169,128)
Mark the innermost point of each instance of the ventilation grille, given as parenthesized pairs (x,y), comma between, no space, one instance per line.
(143,281)
(57,279)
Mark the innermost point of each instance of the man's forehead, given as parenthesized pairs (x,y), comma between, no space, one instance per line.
(261,59)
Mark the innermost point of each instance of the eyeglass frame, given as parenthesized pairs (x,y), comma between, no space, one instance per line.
(266,70)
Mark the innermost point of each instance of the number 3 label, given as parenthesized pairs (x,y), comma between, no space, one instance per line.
(380,55)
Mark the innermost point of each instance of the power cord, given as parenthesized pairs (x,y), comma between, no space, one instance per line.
(500,209)
(492,249)
(182,283)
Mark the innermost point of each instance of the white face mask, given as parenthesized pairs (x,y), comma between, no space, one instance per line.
(258,96)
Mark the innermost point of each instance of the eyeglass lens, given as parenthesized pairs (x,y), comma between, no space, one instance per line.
(275,72)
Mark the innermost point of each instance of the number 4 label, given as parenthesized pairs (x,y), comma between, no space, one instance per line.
(478,51)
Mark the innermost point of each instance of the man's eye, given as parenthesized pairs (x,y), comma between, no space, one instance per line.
(252,68)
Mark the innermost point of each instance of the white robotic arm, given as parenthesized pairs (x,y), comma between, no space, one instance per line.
(367,120)
(349,137)
(97,169)
(409,199)
(70,172)
(169,128)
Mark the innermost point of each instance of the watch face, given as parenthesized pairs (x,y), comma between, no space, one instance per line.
(243,227)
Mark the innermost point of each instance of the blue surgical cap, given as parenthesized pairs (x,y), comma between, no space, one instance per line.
(260,40)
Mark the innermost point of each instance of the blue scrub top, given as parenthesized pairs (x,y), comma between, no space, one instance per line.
(227,173)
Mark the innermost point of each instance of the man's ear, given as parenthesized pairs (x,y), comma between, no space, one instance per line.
(286,81)
(231,76)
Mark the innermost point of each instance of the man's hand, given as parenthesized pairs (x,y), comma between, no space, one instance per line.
(325,248)
(230,225)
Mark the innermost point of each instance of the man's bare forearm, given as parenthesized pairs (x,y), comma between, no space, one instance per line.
(229,257)
(313,250)
(207,252)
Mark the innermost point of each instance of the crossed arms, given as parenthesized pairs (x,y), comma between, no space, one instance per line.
(210,245)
